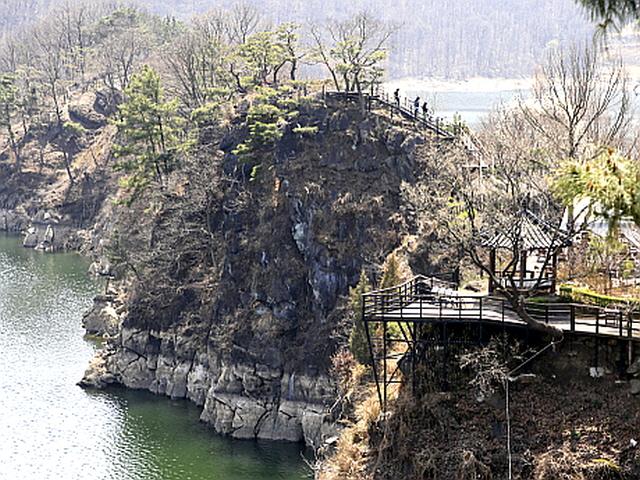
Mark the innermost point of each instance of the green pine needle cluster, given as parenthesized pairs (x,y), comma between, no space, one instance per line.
(609,180)
(151,133)
(358,339)
(271,111)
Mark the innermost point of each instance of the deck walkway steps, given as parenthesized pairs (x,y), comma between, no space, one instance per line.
(383,99)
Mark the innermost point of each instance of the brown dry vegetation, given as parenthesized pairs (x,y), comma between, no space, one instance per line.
(564,425)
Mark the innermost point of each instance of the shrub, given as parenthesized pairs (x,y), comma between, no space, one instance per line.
(358,339)
(589,297)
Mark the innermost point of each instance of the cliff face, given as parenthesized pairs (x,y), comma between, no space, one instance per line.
(249,327)
(239,305)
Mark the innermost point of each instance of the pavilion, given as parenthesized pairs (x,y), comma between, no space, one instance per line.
(532,247)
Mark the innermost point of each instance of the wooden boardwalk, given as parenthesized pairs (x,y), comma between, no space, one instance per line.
(428,300)
(401,313)
(404,109)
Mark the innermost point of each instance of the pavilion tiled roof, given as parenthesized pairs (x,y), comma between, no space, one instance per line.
(530,233)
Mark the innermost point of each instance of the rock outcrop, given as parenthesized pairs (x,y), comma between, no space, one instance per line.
(254,349)
(241,400)
(42,204)
(105,316)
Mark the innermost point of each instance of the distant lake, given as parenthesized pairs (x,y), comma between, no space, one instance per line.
(472,106)
(472,99)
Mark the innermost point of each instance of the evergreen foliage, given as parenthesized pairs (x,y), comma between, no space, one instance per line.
(271,110)
(609,180)
(207,114)
(358,339)
(391,273)
(8,108)
(612,13)
(151,134)
(262,54)
(391,277)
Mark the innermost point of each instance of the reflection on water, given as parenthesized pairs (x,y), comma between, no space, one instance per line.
(52,429)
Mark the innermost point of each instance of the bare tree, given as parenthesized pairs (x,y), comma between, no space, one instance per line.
(18,60)
(50,63)
(67,143)
(119,54)
(577,100)
(467,202)
(213,26)
(472,199)
(197,60)
(244,20)
(73,20)
(353,51)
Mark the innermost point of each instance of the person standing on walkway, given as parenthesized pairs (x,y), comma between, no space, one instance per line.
(457,123)
(425,110)
(416,107)
(396,96)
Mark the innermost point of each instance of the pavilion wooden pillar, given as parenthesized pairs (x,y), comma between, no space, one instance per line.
(492,269)
(554,271)
(523,268)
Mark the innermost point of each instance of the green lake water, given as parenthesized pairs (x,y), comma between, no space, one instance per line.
(52,429)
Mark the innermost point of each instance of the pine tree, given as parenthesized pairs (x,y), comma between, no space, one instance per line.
(358,339)
(8,107)
(270,111)
(390,278)
(150,130)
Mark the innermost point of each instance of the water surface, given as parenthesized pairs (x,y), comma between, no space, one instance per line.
(52,429)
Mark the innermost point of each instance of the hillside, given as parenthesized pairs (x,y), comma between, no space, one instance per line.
(232,216)
(456,40)
(238,211)
(561,424)
(245,323)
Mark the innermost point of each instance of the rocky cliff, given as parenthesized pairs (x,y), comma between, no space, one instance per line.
(247,318)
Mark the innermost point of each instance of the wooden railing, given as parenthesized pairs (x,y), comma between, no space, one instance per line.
(404,108)
(427,299)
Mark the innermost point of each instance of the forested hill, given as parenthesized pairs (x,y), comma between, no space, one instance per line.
(448,38)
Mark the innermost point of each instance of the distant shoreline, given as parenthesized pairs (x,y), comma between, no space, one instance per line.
(473,99)
(474,84)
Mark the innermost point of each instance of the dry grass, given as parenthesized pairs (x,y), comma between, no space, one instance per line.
(565,464)
(564,429)
(353,457)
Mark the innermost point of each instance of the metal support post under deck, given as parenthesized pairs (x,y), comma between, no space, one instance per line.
(371,353)
(384,363)
(492,269)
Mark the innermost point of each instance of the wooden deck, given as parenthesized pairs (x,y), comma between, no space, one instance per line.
(404,109)
(426,300)
(471,311)
(400,314)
